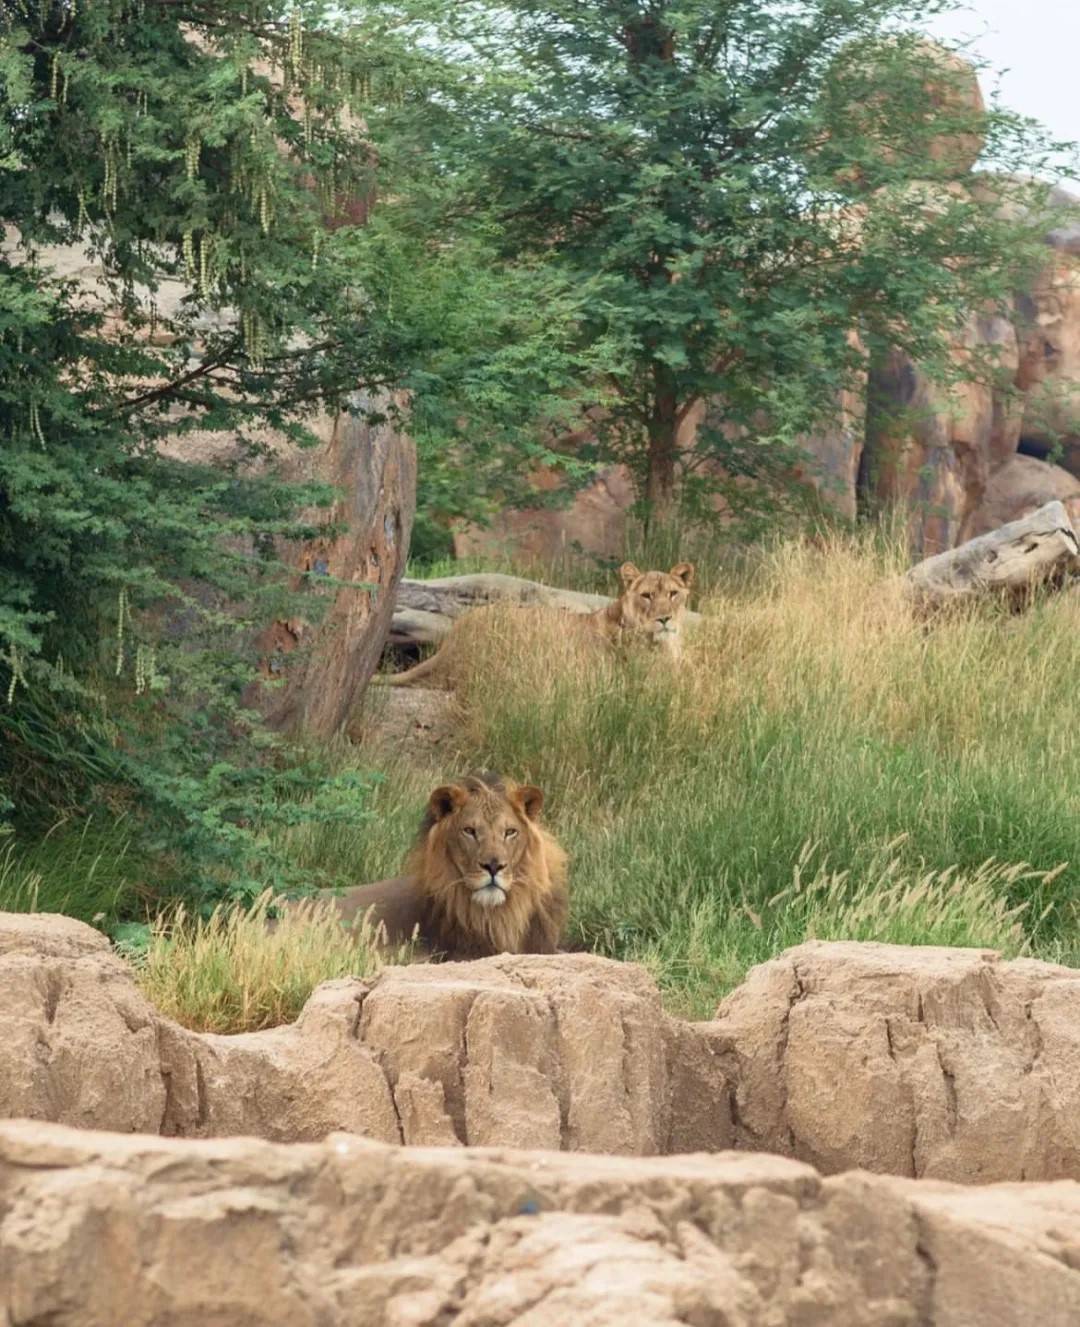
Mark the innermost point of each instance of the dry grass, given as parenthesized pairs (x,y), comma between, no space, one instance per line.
(823,764)
(935,765)
(231,973)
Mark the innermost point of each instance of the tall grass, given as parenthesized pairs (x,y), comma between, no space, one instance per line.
(231,972)
(935,765)
(86,870)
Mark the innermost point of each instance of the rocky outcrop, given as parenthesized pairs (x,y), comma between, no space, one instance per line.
(572,1053)
(955,1065)
(98,1229)
(1021,486)
(926,1062)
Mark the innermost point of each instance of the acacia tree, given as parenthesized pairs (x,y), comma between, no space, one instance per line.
(210,149)
(732,181)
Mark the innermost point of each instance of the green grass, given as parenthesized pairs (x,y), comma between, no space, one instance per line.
(85,869)
(823,765)
(933,767)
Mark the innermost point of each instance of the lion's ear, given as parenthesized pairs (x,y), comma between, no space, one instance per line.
(628,574)
(684,571)
(445,800)
(528,800)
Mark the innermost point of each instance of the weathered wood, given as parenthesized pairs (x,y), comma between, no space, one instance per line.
(425,610)
(373,467)
(1016,556)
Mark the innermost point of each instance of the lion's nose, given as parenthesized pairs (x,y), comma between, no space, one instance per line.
(493,867)
(663,621)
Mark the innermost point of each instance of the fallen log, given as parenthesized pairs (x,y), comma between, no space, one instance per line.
(425,610)
(1015,557)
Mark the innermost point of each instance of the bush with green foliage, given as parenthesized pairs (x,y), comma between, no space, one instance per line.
(211,146)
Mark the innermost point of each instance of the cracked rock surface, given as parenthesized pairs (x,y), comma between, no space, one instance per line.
(572,1053)
(912,1061)
(943,1063)
(101,1229)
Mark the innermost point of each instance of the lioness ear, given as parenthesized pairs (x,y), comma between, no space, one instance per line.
(529,800)
(446,799)
(684,571)
(628,574)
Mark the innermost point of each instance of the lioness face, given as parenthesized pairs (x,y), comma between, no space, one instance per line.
(653,602)
(486,835)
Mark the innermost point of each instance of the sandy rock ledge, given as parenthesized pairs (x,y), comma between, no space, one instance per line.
(573,1053)
(941,1063)
(101,1229)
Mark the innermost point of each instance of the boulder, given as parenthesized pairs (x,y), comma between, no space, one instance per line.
(592,522)
(946,1063)
(98,1229)
(572,1052)
(78,1043)
(1021,486)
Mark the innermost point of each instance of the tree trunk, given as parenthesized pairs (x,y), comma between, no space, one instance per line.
(374,469)
(1012,559)
(663,452)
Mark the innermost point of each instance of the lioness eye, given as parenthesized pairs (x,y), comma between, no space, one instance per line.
(647,598)
(511,833)
(470,831)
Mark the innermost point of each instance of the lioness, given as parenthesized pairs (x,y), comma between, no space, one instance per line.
(482,878)
(650,609)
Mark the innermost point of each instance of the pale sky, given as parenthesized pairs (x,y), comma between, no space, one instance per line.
(1037,45)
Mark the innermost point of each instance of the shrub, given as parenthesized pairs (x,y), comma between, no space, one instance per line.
(231,972)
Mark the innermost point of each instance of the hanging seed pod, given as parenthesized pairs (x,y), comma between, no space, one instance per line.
(204,257)
(189,255)
(35,424)
(121,614)
(17,675)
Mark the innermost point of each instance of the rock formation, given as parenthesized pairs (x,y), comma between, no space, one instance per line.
(952,1063)
(99,1229)
(920,1062)
(573,1053)
(955,1065)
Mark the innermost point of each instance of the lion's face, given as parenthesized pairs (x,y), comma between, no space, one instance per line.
(653,602)
(485,833)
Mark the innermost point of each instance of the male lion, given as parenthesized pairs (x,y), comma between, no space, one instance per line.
(482,878)
(650,609)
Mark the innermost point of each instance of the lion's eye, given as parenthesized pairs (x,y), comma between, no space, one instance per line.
(647,598)
(468,829)
(511,833)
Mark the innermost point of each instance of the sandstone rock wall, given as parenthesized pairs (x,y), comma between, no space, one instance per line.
(574,1054)
(938,1062)
(954,1064)
(98,1230)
